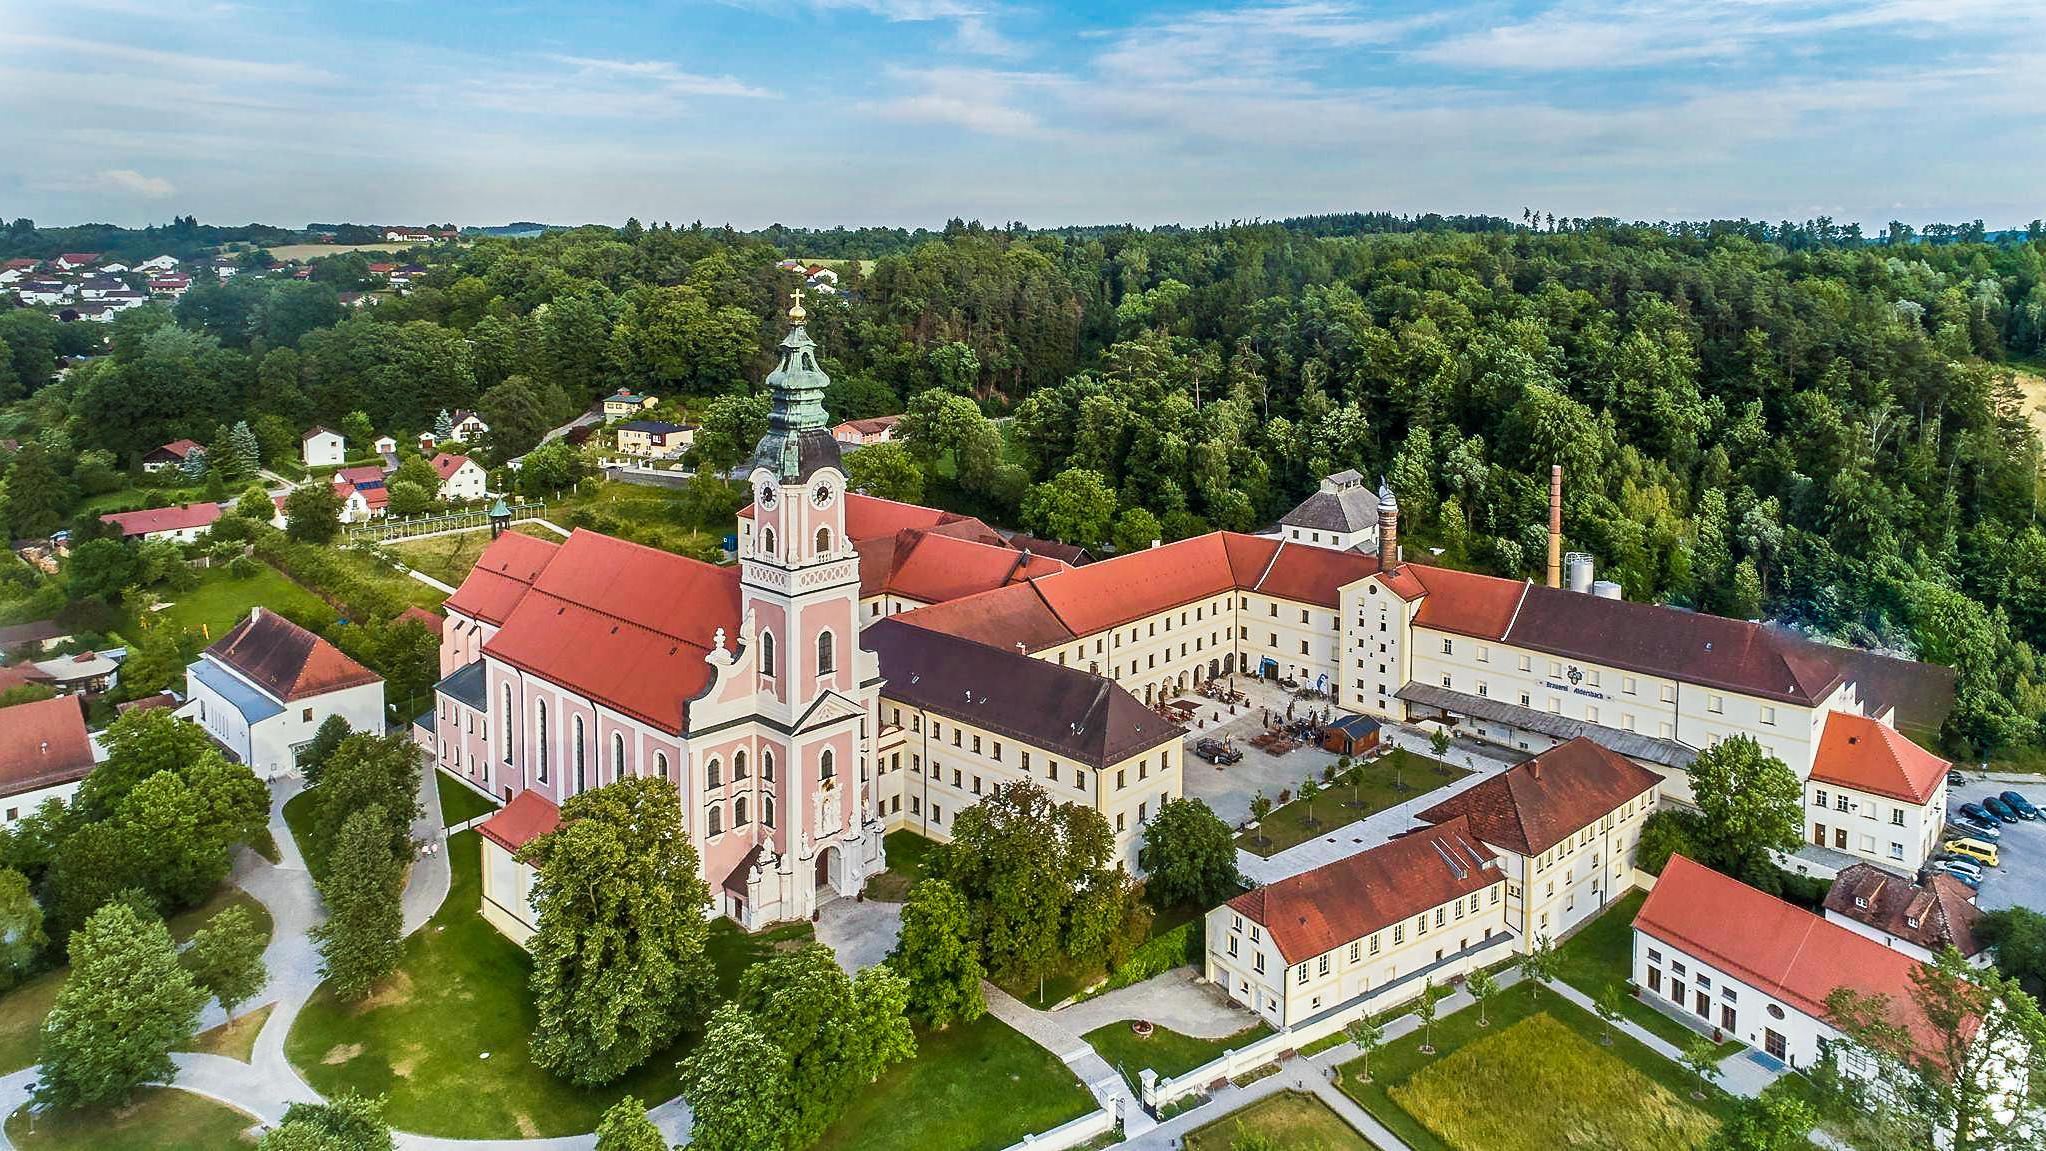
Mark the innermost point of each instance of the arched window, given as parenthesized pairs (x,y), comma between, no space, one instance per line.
(826,650)
(739,812)
(717,821)
(540,737)
(767,654)
(507,725)
(582,777)
(617,756)
(823,541)
(767,764)
(827,765)
(739,764)
(713,773)
(661,764)
(767,811)
(767,542)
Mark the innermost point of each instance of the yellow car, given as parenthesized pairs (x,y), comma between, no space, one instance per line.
(1975,849)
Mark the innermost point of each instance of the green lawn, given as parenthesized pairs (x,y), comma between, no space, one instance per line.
(1401,1061)
(445,558)
(1379,786)
(459,803)
(375,570)
(1570,1090)
(1165,1051)
(221,601)
(908,854)
(160,1119)
(298,817)
(22,1009)
(1601,954)
(460,994)
(235,1039)
(974,1086)
(1290,1120)
(643,514)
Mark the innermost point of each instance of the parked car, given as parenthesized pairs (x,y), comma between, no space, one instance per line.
(2019,804)
(1979,828)
(1216,751)
(1978,850)
(1958,777)
(1953,871)
(1956,863)
(2000,809)
(1977,812)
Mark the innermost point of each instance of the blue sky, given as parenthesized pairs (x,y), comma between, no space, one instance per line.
(820,112)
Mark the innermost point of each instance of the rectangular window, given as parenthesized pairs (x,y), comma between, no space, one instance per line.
(1321,966)
(1448,647)
(1716,704)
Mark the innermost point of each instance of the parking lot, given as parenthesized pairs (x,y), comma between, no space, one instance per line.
(2020,878)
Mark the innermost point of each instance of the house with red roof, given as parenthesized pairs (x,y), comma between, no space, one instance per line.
(871,430)
(1373,928)
(182,522)
(170,455)
(44,754)
(263,690)
(1875,795)
(73,261)
(461,478)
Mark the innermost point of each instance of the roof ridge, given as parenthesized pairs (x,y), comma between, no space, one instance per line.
(1267,572)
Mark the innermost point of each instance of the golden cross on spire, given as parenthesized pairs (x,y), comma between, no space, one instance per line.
(796,311)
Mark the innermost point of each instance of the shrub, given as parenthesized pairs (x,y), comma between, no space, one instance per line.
(1161,953)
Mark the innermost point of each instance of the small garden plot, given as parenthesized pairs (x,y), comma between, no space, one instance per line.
(1566,1091)
(1387,781)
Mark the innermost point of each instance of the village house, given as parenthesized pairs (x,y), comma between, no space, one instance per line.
(655,438)
(461,478)
(363,493)
(384,446)
(263,690)
(73,261)
(44,753)
(469,427)
(1342,514)
(97,287)
(874,430)
(86,673)
(158,264)
(322,448)
(182,523)
(1429,905)
(170,455)
(45,292)
(170,287)
(624,404)
(1916,919)
(1565,825)
(35,635)
(1874,794)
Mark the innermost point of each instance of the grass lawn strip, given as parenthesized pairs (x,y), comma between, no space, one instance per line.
(1165,1051)
(159,1119)
(907,854)
(22,1009)
(1292,1120)
(1340,804)
(235,1039)
(459,803)
(446,1039)
(976,1086)
(446,558)
(1585,1096)
(222,600)
(1400,1060)
(1602,954)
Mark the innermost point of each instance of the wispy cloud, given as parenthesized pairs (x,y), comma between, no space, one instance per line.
(147,187)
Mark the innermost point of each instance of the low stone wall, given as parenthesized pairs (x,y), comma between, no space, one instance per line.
(1077,1133)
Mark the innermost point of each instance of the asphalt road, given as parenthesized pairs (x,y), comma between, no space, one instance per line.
(2021,853)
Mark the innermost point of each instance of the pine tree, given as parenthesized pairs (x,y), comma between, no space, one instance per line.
(245,446)
(361,941)
(443,427)
(126,1003)
(194,467)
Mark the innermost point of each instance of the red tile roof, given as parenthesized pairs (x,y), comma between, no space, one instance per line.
(163,519)
(526,818)
(432,620)
(1867,755)
(366,474)
(932,567)
(43,744)
(285,659)
(1312,574)
(624,624)
(1463,602)
(502,576)
(447,464)
(1538,803)
(181,448)
(1775,947)
(1006,617)
(1317,911)
(871,517)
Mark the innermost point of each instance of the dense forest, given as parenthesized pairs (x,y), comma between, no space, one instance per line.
(1785,421)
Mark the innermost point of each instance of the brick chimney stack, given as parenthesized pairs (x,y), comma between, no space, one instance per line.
(1388,527)
(1556,525)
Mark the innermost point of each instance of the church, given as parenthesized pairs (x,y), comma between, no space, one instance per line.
(868,666)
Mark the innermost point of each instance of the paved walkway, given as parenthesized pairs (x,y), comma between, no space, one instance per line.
(429,581)
(1174,1000)
(1046,1030)
(860,932)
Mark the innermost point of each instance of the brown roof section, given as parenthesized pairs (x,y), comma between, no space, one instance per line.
(1858,752)
(285,659)
(1317,911)
(1539,802)
(432,621)
(932,567)
(1313,575)
(526,818)
(502,576)
(43,744)
(1940,914)
(1072,555)
(1063,710)
(1012,618)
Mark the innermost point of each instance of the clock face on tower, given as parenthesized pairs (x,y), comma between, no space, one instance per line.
(821,495)
(767,495)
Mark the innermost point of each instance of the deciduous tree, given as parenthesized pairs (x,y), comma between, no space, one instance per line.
(936,955)
(226,958)
(126,1003)
(625,1127)
(737,1084)
(1189,855)
(1751,803)
(362,885)
(346,1122)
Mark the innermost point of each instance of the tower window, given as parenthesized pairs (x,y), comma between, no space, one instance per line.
(827,765)
(739,764)
(767,542)
(767,654)
(823,541)
(825,654)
